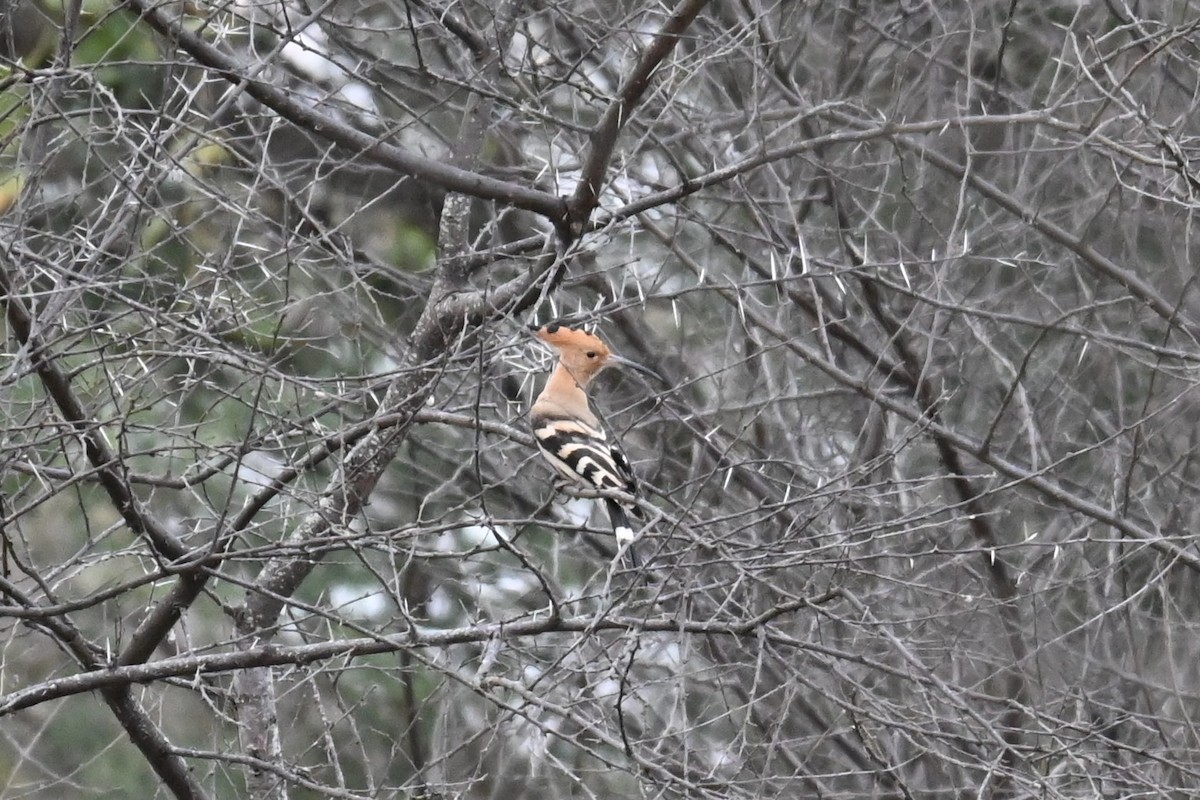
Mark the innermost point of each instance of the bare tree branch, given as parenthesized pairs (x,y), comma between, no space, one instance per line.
(363,144)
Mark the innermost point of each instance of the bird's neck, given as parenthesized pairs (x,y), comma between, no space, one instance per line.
(565,391)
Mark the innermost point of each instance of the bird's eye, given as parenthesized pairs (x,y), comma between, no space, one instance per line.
(591,354)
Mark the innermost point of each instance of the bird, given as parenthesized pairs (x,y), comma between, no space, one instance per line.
(569,434)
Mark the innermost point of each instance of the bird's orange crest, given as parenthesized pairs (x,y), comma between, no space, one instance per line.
(563,338)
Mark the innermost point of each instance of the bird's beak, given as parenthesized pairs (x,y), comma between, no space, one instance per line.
(621,361)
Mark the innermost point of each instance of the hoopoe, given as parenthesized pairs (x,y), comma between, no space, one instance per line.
(569,434)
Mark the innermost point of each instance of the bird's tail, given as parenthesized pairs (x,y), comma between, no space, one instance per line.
(624,532)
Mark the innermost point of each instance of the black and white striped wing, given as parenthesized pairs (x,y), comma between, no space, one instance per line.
(583,454)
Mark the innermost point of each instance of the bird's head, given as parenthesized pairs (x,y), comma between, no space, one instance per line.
(582,353)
